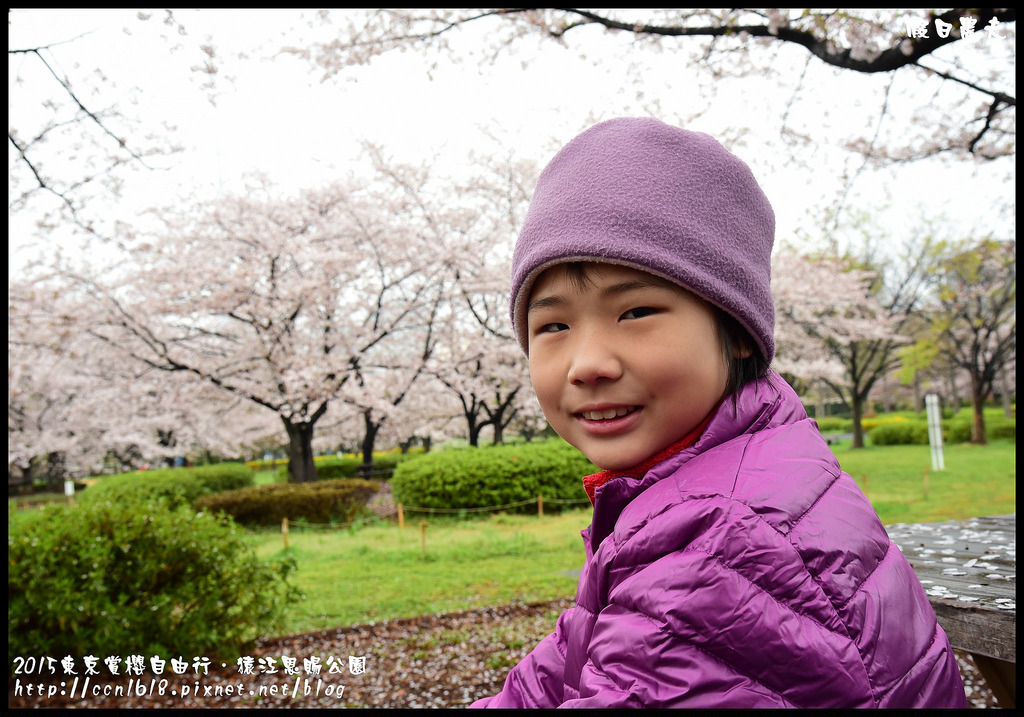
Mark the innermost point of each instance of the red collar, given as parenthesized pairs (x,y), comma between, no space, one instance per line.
(592,482)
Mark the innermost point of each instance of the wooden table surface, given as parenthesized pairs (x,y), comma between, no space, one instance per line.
(968,568)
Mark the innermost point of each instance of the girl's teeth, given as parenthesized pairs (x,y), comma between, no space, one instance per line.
(606,414)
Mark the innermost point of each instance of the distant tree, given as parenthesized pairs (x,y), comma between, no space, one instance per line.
(487,376)
(975,319)
(280,301)
(74,396)
(840,323)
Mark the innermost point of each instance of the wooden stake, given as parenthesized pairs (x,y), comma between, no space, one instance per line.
(284,531)
(423,537)
(926,472)
(540,506)
(401,516)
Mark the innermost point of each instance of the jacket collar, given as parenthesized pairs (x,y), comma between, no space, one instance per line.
(759,405)
(592,482)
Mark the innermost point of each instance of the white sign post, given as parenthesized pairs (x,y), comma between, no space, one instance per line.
(931,402)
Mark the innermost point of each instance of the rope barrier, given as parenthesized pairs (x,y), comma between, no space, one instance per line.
(287,525)
(467,510)
(495,507)
(320,526)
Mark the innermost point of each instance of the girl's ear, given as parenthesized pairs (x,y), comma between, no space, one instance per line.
(741,348)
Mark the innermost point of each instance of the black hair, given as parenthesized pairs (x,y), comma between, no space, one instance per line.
(736,341)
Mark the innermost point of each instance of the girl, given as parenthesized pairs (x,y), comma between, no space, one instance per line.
(730,561)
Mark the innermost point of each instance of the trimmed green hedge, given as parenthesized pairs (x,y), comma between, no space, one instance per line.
(340,500)
(1002,429)
(956,430)
(101,580)
(331,468)
(175,486)
(834,424)
(493,476)
(902,433)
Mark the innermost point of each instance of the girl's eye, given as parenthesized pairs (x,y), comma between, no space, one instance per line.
(638,313)
(552,328)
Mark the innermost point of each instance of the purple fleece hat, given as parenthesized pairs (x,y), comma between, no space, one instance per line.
(665,200)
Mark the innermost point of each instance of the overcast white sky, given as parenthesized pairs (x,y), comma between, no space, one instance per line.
(277,117)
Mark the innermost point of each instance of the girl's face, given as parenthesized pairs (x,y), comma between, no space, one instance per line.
(624,364)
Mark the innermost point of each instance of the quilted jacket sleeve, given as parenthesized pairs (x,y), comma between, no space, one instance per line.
(636,663)
(704,605)
(536,682)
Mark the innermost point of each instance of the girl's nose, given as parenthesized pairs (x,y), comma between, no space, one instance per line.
(594,359)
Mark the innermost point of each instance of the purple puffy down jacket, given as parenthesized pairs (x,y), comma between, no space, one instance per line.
(745,571)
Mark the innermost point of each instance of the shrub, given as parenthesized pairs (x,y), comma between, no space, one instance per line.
(869,424)
(834,424)
(100,580)
(333,467)
(174,486)
(1005,428)
(958,430)
(222,476)
(955,430)
(340,500)
(899,433)
(266,465)
(494,476)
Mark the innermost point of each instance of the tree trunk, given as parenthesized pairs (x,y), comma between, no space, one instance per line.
(474,430)
(301,468)
(19,480)
(369,439)
(501,416)
(857,409)
(56,472)
(954,391)
(978,437)
(471,411)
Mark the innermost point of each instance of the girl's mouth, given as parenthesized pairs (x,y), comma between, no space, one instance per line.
(609,422)
(608,413)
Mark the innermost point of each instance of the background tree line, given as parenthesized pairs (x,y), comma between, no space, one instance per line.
(370,311)
(377,310)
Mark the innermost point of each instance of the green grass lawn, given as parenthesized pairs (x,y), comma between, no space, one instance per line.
(977,480)
(381,571)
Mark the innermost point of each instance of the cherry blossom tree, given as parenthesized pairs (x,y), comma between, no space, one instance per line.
(428,416)
(975,318)
(478,362)
(75,404)
(375,394)
(287,302)
(839,324)
(42,391)
(964,57)
(486,374)
(75,133)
